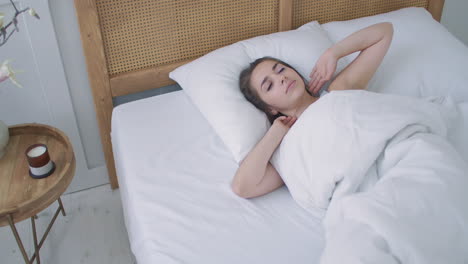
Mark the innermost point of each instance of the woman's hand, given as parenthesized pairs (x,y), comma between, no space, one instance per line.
(282,124)
(323,71)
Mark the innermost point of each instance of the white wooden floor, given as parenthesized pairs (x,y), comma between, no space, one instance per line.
(93,231)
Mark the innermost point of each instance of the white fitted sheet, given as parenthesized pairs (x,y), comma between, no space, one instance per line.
(175,173)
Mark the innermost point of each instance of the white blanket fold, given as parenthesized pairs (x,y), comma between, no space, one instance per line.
(393,185)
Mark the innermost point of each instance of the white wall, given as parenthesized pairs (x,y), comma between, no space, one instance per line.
(68,37)
(63,14)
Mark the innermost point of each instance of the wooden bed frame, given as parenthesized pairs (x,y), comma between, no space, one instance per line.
(132,45)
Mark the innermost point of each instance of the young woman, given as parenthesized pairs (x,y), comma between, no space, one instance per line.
(281,92)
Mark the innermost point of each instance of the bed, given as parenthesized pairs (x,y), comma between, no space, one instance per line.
(168,153)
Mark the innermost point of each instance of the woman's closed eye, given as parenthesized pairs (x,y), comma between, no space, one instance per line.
(270,84)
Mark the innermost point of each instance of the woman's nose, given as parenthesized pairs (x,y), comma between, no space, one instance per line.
(282,78)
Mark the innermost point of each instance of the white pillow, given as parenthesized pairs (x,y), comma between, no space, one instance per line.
(424,59)
(212,81)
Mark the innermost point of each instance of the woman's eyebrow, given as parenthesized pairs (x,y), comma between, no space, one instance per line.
(266,77)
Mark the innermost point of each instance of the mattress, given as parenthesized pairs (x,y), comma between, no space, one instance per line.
(175,174)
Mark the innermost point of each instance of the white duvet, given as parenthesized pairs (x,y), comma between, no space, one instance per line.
(394,187)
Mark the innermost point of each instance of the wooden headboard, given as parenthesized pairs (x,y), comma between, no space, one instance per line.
(132,45)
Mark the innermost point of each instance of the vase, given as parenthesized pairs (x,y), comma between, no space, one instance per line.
(4,137)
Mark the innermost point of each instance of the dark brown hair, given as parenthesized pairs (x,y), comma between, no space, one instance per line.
(251,94)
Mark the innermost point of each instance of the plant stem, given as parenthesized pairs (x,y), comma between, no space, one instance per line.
(3,30)
(14,6)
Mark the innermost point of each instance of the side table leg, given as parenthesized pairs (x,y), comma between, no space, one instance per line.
(36,246)
(61,206)
(57,212)
(18,239)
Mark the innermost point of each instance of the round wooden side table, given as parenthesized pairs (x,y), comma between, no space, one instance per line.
(22,196)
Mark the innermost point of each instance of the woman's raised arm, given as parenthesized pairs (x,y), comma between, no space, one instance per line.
(372,42)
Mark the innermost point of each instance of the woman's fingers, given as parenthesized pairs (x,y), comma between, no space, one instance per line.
(319,79)
(317,88)
(287,120)
(313,72)
(317,74)
(321,73)
(313,87)
(293,121)
(290,121)
(284,119)
(281,118)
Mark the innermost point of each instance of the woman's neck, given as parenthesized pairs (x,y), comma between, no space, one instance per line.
(305,102)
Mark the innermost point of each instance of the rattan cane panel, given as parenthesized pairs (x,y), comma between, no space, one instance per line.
(325,11)
(146,33)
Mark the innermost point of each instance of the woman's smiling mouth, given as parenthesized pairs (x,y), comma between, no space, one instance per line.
(291,85)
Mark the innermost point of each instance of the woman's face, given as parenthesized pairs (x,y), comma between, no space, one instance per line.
(277,85)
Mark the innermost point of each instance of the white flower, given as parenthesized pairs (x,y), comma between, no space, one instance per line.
(1,19)
(6,72)
(33,13)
